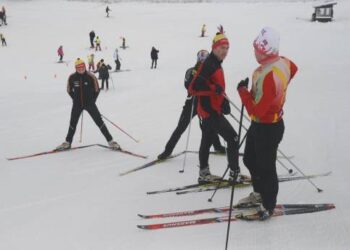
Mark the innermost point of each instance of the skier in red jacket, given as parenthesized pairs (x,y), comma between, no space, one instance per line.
(264,103)
(208,85)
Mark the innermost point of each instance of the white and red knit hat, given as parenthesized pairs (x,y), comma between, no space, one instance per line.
(267,42)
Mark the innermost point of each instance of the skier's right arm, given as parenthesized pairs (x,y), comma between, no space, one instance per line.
(70,87)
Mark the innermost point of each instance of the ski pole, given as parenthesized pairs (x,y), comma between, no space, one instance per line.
(223,176)
(233,184)
(289,170)
(283,154)
(113,83)
(81,127)
(115,125)
(298,169)
(188,138)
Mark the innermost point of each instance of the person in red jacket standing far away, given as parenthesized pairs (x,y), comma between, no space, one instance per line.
(264,103)
(208,85)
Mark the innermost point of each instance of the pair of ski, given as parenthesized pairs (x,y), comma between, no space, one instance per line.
(157,161)
(249,213)
(74,148)
(197,188)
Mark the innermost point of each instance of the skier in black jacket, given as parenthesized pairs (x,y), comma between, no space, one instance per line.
(154,57)
(186,117)
(92,37)
(83,89)
(104,74)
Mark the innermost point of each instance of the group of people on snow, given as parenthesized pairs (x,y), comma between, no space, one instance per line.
(207,98)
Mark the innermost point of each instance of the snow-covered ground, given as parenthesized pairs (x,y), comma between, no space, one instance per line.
(76,200)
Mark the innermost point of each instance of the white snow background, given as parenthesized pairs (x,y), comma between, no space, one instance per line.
(77,200)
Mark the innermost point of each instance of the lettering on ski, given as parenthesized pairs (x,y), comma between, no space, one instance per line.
(191,212)
(149,164)
(287,209)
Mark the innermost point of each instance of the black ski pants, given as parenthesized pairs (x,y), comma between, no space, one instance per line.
(260,155)
(154,63)
(94,113)
(103,83)
(218,124)
(184,121)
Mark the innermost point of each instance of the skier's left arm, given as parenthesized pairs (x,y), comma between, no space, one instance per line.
(259,108)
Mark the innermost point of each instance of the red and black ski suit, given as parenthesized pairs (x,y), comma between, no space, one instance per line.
(207,83)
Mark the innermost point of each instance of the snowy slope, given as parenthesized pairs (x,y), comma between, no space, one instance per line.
(76,200)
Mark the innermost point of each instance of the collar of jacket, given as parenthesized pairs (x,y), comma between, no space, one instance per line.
(214,58)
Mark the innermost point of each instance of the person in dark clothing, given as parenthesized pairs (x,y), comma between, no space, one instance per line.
(92,37)
(208,85)
(154,57)
(186,117)
(107,11)
(83,89)
(3,16)
(123,42)
(3,40)
(104,74)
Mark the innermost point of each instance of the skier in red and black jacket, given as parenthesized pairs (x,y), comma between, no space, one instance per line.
(185,117)
(208,86)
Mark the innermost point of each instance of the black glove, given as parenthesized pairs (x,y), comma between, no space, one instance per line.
(225,107)
(218,89)
(234,173)
(243,83)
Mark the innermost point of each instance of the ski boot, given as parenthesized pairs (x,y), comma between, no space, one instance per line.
(114,145)
(64,146)
(206,177)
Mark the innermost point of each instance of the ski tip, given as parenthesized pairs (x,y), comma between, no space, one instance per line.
(141,226)
(142,216)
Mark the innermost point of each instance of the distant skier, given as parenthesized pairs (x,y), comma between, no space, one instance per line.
(208,85)
(116,60)
(92,37)
(91,62)
(154,57)
(185,116)
(3,40)
(204,29)
(3,16)
(60,53)
(83,89)
(98,43)
(107,11)
(264,103)
(104,74)
(123,43)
